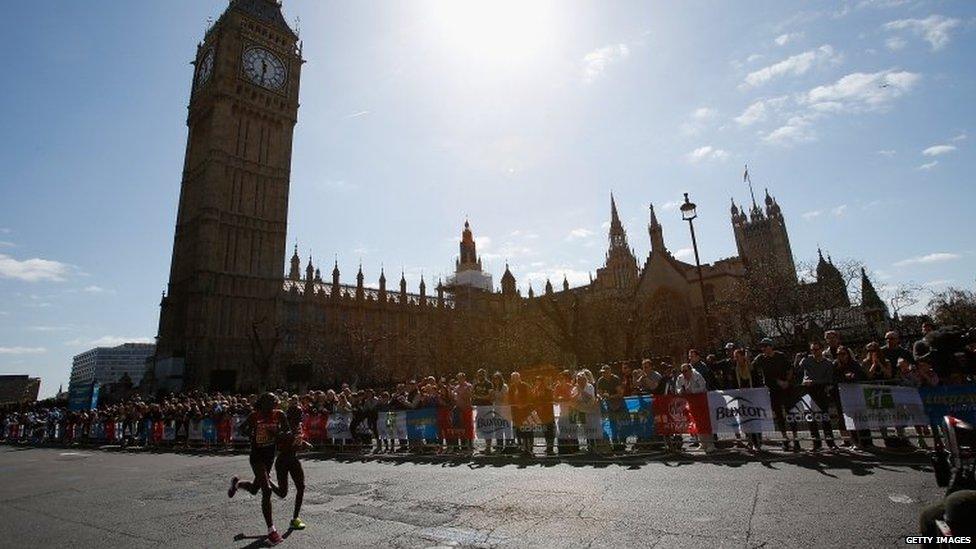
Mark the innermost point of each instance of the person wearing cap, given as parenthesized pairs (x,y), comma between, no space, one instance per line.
(778,376)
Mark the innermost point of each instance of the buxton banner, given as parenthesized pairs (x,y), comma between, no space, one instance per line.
(958,401)
(740,411)
(493,422)
(634,416)
(681,414)
(876,406)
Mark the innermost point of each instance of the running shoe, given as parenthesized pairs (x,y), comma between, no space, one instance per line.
(297,524)
(274,538)
(233,487)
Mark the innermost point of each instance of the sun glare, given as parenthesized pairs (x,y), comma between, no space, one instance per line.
(500,32)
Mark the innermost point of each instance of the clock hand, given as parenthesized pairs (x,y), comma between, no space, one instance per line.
(264,70)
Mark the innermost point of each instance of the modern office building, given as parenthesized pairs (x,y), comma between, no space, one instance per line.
(108,364)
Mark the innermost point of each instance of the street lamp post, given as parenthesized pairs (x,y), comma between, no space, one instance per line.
(688,213)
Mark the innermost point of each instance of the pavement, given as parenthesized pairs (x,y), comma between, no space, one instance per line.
(102,498)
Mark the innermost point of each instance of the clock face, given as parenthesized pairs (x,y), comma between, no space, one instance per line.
(205,67)
(264,68)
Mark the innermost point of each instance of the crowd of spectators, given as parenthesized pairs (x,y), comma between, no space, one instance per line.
(813,373)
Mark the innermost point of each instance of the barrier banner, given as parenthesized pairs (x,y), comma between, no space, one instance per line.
(110,431)
(950,400)
(337,426)
(580,420)
(493,422)
(235,429)
(392,425)
(681,414)
(422,424)
(194,431)
(634,418)
(169,431)
(455,423)
(806,410)
(314,426)
(876,406)
(224,430)
(741,411)
(97,431)
(157,431)
(209,430)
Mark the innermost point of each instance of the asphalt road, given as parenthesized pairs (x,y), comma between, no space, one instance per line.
(91,498)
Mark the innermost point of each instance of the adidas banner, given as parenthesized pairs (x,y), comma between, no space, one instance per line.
(741,411)
(875,406)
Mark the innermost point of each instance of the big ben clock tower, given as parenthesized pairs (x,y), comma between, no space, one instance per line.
(229,248)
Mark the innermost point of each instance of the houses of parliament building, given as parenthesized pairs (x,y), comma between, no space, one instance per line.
(230,318)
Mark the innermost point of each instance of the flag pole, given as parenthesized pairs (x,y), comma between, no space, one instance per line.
(748,180)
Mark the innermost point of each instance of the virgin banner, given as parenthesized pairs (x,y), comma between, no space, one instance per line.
(422,424)
(876,406)
(455,423)
(314,427)
(740,411)
(493,422)
(681,414)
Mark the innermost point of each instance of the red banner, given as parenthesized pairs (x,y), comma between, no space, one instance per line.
(314,427)
(455,423)
(110,431)
(157,432)
(224,430)
(681,414)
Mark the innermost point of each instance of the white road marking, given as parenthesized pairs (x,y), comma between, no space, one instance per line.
(900,498)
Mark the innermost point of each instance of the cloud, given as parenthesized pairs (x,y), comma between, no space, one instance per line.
(812,215)
(935,29)
(108,341)
(48,328)
(895,43)
(699,119)
(705,153)
(786,38)
(7,244)
(937,257)
(798,129)
(94,289)
(671,205)
(684,254)
(33,270)
(760,110)
(22,350)
(839,211)
(597,61)
(795,65)
(579,233)
(555,275)
(962,136)
(5,230)
(937,150)
(355,115)
(887,153)
(336,185)
(860,92)
(928,165)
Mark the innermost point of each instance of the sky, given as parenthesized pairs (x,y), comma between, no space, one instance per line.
(521,116)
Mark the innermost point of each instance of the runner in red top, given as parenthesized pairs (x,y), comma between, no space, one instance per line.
(289,445)
(265,424)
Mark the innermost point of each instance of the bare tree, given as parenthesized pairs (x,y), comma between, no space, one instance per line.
(954,306)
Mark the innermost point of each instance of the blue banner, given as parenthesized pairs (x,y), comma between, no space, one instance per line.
(422,424)
(949,400)
(634,418)
(209,430)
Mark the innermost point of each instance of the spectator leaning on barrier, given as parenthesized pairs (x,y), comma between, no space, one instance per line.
(893,351)
(777,375)
(876,365)
(818,379)
(695,359)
